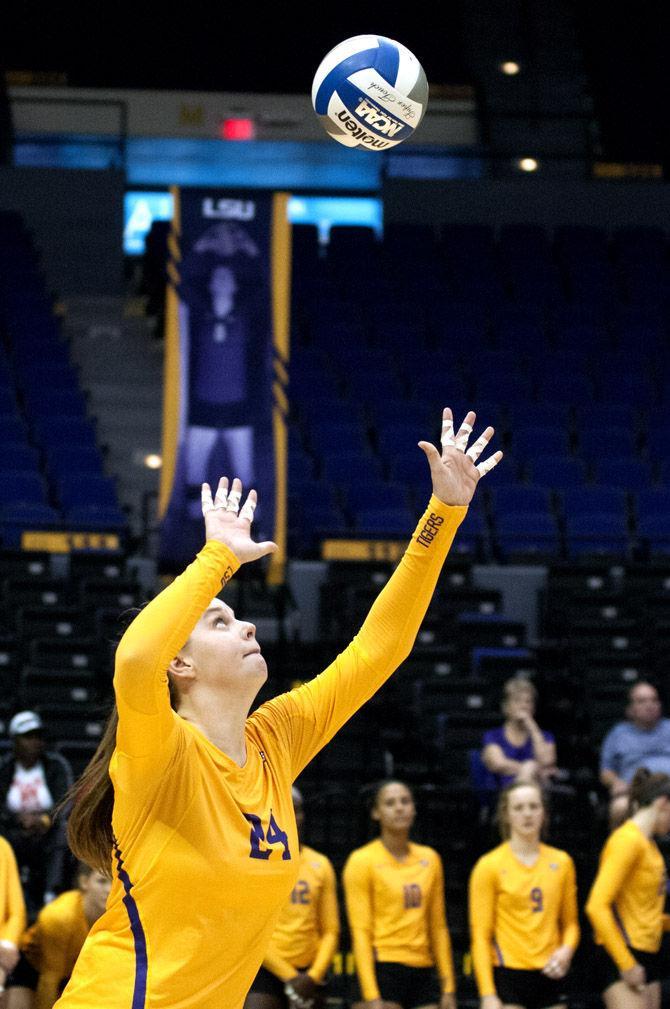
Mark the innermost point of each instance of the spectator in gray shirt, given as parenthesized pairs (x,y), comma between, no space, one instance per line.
(643,740)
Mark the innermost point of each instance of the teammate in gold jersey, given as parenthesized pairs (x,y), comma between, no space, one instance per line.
(187,802)
(50,947)
(627,898)
(394,893)
(523,909)
(12,912)
(305,937)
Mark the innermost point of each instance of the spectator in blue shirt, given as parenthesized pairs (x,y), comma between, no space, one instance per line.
(643,740)
(519,750)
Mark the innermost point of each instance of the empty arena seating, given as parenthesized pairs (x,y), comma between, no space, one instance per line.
(51,466)
(559,339)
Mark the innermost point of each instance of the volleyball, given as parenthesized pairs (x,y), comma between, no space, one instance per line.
(370,92)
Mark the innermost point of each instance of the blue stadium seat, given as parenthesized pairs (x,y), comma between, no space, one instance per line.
(55,402)
(506,499)
(626,472)
(26,515)
(527,533)
(22,488)
(577,502)
(75,492)
(505,387)
(375,495)
(570,390)
(597,442)
(524,415)
(8,404)
(605,416)
(64,460)
(13,430)
(385,522)
(632,389)
(410,469)
(54,431)
(326,438)
(344,467)
(95,517)
(654,530)
(557,472)
(533,441)
(597,533)
(19,457)
(310,495)
(473,538)
(649,504)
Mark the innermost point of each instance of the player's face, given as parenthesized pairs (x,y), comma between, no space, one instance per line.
(662,826)
(394,808)
(95,888)
(525,811)
(224,649)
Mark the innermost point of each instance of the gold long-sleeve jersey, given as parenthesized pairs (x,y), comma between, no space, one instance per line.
(53,943)
(206,851)
(12,904)
(519,914)
(308,928)
(627,898)
(396,912)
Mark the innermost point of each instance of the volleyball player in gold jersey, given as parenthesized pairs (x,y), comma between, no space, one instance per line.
(187,802)
(523,909)
(394,893)
(627,899)
(12,913)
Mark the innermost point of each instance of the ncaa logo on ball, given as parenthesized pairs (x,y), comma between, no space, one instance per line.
(370,92)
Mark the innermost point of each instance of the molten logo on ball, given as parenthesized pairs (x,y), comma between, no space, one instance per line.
(370,92)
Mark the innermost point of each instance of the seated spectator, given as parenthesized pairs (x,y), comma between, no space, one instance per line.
(642,740)
(305,936)
(51,945)
(519,750)
(32,782)
(13,914)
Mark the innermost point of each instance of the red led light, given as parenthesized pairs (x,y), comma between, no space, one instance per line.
(237,129)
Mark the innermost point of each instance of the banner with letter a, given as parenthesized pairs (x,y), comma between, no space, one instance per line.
(226,364)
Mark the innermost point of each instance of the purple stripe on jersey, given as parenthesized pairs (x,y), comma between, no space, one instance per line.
(499,953)
(620,924)
(139,938)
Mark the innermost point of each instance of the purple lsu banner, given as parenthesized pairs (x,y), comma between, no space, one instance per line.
(226,364)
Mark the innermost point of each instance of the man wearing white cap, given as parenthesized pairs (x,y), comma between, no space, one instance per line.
(32,783)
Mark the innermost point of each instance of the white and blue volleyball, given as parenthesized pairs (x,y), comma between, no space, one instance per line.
(370,92)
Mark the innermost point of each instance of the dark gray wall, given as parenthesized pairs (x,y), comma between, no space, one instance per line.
(548,202)
(76,217)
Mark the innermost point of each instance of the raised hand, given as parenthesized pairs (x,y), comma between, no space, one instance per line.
(223,523)
(454,473)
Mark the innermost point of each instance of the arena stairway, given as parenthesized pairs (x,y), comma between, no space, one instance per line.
(121,368)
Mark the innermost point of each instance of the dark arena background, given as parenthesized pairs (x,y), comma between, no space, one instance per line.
(511,257)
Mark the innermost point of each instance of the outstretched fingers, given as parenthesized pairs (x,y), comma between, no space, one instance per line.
(465,430)
(447,436)
(209,504)
(249,507)
(487,465)
(478,446)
